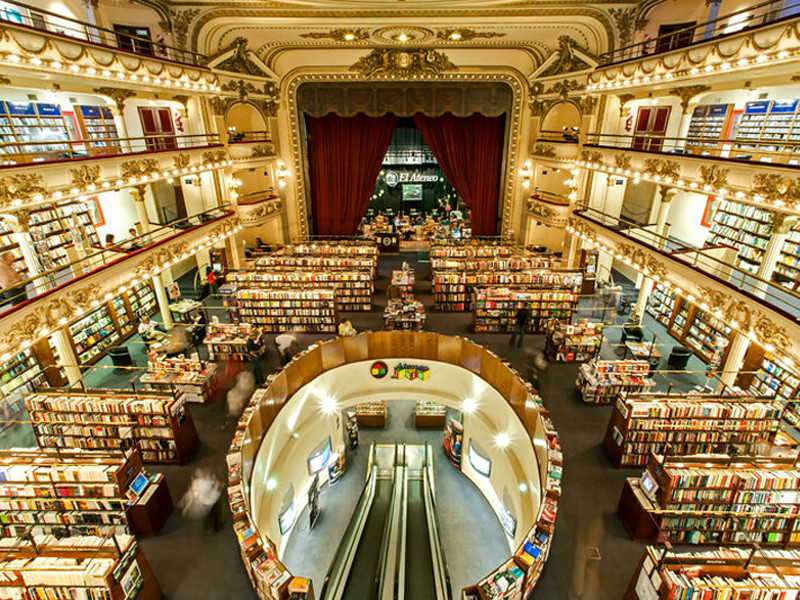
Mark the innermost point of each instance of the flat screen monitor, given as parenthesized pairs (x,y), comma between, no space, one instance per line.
(480,463)
(648,484)
(139,483)
(412,192)
(319,459)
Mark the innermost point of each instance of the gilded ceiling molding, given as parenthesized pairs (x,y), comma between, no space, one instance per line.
(464,34)
(181,20)
(628,22)
(138,167)
(568,61)
(240,61)
(564,87)
(622,161)
(16,189)
(393,63)
(513,119)
(118,95)
(713,175)
(338,35)
(777,189)
(85,175)
(687,92)
(667,169)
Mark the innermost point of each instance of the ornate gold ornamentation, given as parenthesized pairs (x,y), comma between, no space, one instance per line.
(713,175)
(622,161)
(582,228)
(548,214)
(564,87)
(687,92)
(184,101)
(211,156)
(339,35)
(642,260)
(5,81)
(403,63)
(181,161)
(267,106)
(592,156)
(748,318)
(539,107)
(544,150)
(587,104)
(465,34)
(153,261)
(180,24)
(240,61)
(16,189)
(777,188)
(627,22)
(567,61)
(667,169)
(254,215)
(241,86)
(118,95)
(219,105)
(623,100)
(139,167)
(85,175)
(262,151)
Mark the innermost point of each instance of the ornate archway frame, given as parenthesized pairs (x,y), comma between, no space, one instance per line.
(508,185)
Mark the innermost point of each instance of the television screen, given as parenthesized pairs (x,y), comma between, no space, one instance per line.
(480,463)
(318,460)
(139,483)
(412,192)
(286,518)
(648,484)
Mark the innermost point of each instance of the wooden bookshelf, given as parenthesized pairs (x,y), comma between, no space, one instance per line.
(601,381)
(717,499)
(676,424)
(290,262)
(429,414)
(55,227)
(371,414)
(579,342)
(746,228)
(495,308)
(159,425)
(724,573)
(90,567)
(278,310)
(353,287)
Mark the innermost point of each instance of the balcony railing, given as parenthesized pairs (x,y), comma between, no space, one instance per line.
(259,196)
(770,292)
(33,17)
(550,197)
(19,153)
(248,137)
(565,134)
(732,23)
(96,258)
(776,151)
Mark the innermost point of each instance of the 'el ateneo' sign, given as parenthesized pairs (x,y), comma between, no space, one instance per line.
(393,178)
(380,369)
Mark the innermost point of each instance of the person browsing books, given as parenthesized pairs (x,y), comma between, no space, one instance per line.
(286,344)
(254,350)
(520,322)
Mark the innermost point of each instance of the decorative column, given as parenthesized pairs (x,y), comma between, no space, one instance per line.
(781,226)
(67,359)
(163,301)
(666,195)
(734,360)
(138,195)
(644,293)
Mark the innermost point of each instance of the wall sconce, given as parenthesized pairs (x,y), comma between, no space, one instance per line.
(526,172)
(283,174)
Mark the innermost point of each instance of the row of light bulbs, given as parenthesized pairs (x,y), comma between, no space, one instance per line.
(75,192)
(83,310)
(74,69)
(622,81)
(691,186)
(678,291)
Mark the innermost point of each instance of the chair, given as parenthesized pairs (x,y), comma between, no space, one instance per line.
(120,356)
(679,358)
(634,332)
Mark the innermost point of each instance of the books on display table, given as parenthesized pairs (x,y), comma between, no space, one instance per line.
(600,381)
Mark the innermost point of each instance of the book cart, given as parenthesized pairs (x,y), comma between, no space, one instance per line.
(353,287)
(75,493)
(600,381)
(158,424)
(677,424)
(579,342)
(725,573)
(714,499)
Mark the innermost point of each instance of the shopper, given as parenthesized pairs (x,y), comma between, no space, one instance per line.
(538,367)
(520,322)
(149,330)
(238,396)
(346,328)
(203,499)
(197,328)
(286,344)
(134,244)
(254,349)
(211,277)
(10,281)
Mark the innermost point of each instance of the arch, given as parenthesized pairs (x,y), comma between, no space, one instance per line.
(560,115)
(244,116)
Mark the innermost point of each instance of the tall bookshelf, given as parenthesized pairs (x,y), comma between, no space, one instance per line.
(703,332)
(277,310)
(56,227)
(9,244)
(496,263)
(715,499)
(661,305)
(601,381)
(453,289)
(766,121)
(495,308)
(88,567)
(159,425)
(290,262)
(93,334)
(472,248)
(787,270)
(725,573)
(745,227)
(675,424)
(33,122)
(353,288)
(97,123)
(708,123)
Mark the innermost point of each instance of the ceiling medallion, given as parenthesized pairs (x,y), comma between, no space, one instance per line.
(403,64)
(403,35)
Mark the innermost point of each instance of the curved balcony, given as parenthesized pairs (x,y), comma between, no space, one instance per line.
(247,146)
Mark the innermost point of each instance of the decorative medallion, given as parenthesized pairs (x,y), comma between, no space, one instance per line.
(139,167)
(85,175)
(777,189)
(401,64)
(339,35)
(408,35)
(16,189)
(464,34)
(379,369)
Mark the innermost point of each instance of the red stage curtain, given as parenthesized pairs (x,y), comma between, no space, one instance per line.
(469,151)
(344,156)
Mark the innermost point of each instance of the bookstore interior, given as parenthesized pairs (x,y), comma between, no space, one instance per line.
(449,300)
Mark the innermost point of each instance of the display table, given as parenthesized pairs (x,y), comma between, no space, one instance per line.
(182,308)
(403,279)
(404,314)
(429,414)
(371,414)
(573,343)
(229,341)
(644,351)
(194,379)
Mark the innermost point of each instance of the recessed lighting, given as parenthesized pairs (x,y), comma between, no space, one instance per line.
(502,439)
(349,37)
(402,37)
(455,36)
(469,405)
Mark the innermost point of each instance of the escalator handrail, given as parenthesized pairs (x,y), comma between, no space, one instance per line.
(440,572)
(337,576)
(395,522)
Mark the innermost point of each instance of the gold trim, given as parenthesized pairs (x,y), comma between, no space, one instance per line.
(396,63)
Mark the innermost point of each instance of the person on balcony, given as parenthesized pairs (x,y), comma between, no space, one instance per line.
(10,281)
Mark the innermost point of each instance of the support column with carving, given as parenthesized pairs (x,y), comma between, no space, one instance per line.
(734,360)
(67,359)
(138,194)
(781,226)
(645,288)
(665,194)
